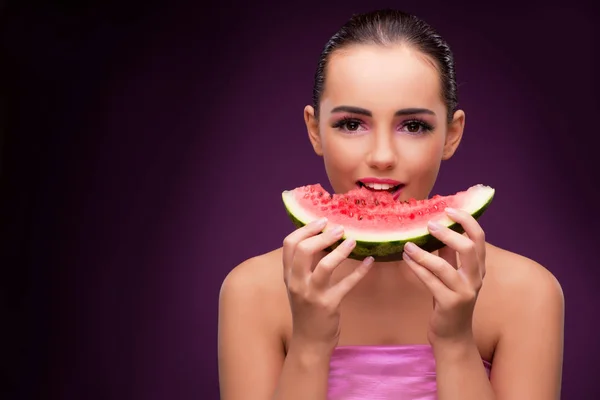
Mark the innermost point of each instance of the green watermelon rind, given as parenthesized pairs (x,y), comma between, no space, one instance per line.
(391,250)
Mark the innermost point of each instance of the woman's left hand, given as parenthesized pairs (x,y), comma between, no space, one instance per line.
(454,277)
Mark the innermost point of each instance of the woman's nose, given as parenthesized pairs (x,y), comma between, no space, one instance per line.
(382,155)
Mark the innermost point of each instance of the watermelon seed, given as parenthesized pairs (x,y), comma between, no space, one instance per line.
(360,217)
(351,214)
(376,202)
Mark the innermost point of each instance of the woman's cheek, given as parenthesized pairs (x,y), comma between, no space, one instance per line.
(422,164)
(340,160)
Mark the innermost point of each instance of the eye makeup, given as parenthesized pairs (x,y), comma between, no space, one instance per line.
(348,124)
(412,126)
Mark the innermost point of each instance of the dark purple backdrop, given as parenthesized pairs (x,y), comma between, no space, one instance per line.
(148,147)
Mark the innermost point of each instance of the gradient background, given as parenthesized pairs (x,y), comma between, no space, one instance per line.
(145,148)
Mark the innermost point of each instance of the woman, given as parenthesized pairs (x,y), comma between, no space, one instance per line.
(470,321)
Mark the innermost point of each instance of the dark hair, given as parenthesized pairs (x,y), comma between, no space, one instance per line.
(385,27)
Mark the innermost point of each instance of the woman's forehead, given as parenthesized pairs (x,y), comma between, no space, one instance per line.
(381,76)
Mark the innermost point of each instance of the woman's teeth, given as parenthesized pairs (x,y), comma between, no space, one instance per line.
(379,186)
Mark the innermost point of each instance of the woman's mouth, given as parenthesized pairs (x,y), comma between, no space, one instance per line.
(393,188)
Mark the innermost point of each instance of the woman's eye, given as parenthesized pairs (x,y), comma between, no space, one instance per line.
(413,127)
(417,127)
(352,125)
(349,125)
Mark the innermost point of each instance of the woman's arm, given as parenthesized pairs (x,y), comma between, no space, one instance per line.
(460,372)
(252,360)
(249,342)
(251,354)
(527,362)
(528,303)
(529,355)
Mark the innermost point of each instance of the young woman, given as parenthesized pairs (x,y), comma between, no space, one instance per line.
(470,321)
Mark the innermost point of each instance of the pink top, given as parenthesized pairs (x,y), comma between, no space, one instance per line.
(384,373)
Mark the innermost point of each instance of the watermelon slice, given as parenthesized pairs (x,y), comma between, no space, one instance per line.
(379,224)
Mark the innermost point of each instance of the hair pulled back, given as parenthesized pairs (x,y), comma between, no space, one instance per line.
(387,27)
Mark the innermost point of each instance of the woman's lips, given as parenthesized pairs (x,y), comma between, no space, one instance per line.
(395,190)
(386,181)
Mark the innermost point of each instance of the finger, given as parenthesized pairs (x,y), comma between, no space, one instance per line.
(445,273)
(291,241)
(344,286)
(322,273)
(306,250)
(472,228)
(464,246)
(449,255)
(437,288)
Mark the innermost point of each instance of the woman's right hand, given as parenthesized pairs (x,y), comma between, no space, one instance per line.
(314,299)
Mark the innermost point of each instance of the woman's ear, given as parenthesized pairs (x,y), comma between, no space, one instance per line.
(312,126)
(454,134)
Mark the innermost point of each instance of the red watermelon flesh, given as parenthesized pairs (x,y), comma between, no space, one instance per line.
(380,224)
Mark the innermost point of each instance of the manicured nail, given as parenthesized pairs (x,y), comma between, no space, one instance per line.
(321,222)
(349,243)
(410,247)
(434,226)
(368,261)
(337,231)
(450,211)
(405,256)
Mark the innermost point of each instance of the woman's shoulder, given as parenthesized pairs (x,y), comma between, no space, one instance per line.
(256,283)
(263,272)
(519,280)
(514,269)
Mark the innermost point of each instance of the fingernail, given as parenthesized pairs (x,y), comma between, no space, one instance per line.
(410,247)
(368,261)
(450,210)
(349,242)
(337,231)
(321,222)
(434,226)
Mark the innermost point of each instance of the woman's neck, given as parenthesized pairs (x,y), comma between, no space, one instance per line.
(381,276)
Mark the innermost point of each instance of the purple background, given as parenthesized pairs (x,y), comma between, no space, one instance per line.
(147,148)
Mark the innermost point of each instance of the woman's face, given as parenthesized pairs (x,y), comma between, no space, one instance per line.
(382,116)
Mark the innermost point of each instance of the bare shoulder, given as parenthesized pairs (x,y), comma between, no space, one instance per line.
(254,285)
(520,279)
(250,328)
(258,276)
(527,301)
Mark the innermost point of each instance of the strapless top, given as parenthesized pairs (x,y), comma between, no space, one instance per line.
(384,373)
